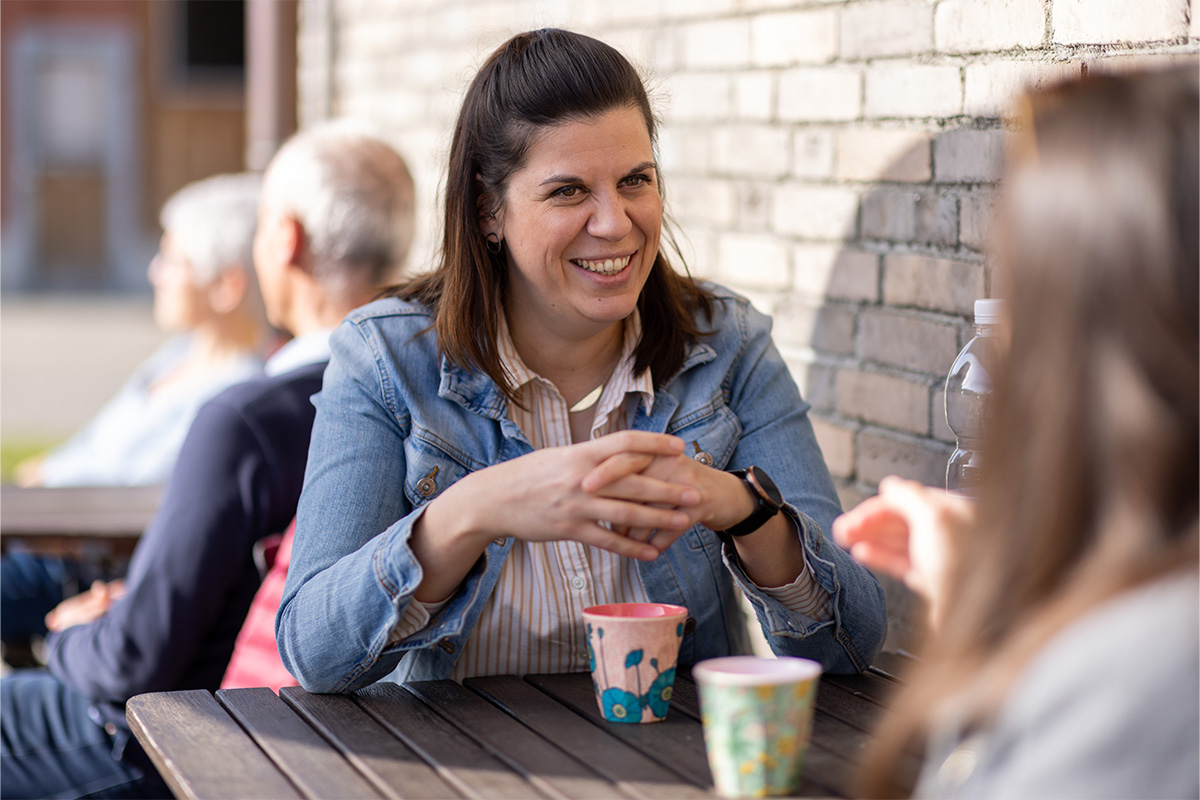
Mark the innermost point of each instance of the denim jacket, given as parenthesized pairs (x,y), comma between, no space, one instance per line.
(396,424)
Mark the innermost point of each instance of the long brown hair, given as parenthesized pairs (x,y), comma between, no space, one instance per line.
(1093,463)
(536,79)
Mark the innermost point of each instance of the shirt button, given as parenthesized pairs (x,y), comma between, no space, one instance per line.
(583,656)
(578,582)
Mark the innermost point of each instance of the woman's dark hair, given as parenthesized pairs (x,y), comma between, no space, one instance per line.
(534,80)
(1091,483)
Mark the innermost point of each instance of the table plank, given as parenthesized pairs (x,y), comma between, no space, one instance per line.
(879,690)
(458,758)
(390,765)
(200,751)
(676,742)
(541,762)
(633,772)
(296,748)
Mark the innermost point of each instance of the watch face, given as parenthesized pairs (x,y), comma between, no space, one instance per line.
(765,485)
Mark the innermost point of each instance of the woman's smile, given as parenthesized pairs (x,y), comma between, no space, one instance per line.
(604,266)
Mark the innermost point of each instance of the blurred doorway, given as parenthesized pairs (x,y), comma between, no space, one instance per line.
(75,167)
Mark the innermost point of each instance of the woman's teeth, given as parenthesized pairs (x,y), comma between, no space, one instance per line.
(609,266)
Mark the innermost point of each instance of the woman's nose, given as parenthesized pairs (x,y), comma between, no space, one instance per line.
(609,218)
(154,270)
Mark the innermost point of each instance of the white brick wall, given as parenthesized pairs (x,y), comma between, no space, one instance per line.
(813,94)
(1108,21)
(833,160)
(886,28)
(873,154)
(794,37)
(912,90)
(971,26)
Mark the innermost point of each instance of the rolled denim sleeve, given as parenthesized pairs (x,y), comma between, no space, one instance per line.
(777,436)
(352,571)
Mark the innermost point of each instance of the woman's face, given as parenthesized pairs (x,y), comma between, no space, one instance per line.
(580,224)
(179,304)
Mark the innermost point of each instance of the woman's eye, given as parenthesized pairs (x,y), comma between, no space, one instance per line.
(636,180)
(567,191)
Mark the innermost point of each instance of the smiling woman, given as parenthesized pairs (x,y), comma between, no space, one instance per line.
(501,443)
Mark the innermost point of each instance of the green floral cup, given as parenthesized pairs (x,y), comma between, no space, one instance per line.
(757,716)
(633,648)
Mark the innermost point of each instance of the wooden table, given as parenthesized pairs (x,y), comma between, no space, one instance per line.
(495,737)
(68,520)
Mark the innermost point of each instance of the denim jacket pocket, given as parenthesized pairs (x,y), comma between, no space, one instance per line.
(710,434)
(430,468)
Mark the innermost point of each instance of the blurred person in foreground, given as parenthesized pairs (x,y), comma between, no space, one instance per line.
(206,294)
(501,442)
(335,223)
(1063,660)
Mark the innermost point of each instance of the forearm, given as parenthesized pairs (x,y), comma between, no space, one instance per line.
(361,597)
(846,642)
(448,538)
(772,555)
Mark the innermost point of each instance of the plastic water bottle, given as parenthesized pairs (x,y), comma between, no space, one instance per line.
(968,388)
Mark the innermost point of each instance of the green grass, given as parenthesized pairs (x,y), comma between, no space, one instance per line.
(14,451)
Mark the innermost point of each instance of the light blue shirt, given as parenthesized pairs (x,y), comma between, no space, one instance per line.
(393,415)
(135,438)
(311,348)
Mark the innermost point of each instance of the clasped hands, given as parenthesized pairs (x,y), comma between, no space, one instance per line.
(632,492)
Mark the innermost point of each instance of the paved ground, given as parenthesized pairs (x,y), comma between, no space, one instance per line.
(61,358)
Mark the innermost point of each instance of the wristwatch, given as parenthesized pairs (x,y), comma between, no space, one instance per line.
(765,492)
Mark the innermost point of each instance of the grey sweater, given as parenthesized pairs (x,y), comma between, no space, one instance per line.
(1110,707)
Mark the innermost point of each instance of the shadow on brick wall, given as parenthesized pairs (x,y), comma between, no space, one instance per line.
(888,308)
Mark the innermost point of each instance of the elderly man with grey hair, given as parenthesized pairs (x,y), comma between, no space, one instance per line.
(334,226)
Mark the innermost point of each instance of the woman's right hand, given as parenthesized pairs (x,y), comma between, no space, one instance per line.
(540,497)
(908,530)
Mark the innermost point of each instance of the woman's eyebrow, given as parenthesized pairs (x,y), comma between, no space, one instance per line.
(642,167)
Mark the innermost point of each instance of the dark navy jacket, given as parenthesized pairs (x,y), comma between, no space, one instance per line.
(193,575)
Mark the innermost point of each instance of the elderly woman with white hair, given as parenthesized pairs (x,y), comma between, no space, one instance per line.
(205,292)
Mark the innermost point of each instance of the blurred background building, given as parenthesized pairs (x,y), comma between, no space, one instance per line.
(109,107)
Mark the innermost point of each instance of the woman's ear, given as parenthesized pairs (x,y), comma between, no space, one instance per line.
(226,291)
(488,209)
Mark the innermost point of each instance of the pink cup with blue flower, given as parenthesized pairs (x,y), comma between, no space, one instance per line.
(632,648)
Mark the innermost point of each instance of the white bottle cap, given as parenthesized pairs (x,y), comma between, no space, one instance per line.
(988,312)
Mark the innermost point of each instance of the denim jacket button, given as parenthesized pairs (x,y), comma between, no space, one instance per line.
(427,486)
(702,456)
(446,645)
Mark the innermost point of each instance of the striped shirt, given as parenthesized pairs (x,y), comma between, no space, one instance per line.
(533,621)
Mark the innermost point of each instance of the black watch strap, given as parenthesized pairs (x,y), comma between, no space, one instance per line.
(762,489)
